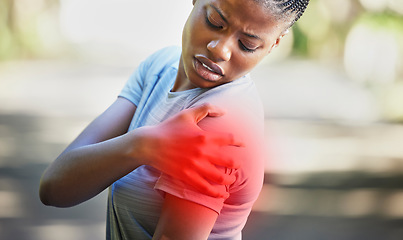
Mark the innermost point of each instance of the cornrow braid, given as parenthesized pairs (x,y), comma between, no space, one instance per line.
(287,10)
(294,6)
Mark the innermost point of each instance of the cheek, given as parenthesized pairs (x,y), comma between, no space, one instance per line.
(195,25)
(244,64)
(199,34)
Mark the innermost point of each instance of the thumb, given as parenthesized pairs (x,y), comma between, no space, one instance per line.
(204,110)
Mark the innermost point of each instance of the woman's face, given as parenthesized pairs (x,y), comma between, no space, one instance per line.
(223,40)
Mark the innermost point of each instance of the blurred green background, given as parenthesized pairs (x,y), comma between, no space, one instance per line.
(332,93)
(362,38)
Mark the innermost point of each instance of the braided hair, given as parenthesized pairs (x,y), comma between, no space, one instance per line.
(288,10)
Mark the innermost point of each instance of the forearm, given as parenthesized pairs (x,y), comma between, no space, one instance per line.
(81,173)
(176,147)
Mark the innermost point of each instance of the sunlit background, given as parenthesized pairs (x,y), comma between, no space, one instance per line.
(332,93)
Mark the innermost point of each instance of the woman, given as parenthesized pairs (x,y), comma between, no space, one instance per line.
(174,171)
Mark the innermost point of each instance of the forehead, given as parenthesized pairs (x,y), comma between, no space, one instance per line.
(248,15)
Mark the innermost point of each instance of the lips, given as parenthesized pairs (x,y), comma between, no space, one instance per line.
(207,69)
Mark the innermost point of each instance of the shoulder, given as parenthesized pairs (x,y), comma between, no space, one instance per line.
(239,99)
(163,59)
(142,81)
(244,118)
(157,64)
(168,53)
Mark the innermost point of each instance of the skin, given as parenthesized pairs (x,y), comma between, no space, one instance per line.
(104,152)
(222,39)
(225,39)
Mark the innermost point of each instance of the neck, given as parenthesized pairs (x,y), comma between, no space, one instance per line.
(182,83)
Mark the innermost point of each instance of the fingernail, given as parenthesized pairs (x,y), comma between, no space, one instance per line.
(233,179)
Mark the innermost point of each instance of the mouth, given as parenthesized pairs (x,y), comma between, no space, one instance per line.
(207,69)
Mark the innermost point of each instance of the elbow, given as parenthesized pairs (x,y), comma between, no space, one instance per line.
(45,192)
(45,200)
(48,195)
(53,194)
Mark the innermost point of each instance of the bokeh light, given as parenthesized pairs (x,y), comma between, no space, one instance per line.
(332,94)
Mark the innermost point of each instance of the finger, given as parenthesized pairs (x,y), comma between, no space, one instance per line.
(225,139)
(205,110)
(224,161)
(212,173)
(203,186)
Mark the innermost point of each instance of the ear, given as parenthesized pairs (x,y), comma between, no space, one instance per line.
(278,40)
(193,2)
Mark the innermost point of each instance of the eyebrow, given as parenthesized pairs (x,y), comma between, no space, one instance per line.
(219,12)
(226,21)
(253,36)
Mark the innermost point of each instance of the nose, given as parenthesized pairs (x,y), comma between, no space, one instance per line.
(220,50)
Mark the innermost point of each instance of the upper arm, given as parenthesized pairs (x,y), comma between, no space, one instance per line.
(183,219)
(113,122)
(193,216)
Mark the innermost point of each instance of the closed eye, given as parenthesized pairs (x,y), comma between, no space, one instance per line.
(211,21)
(245,48)
(210,24)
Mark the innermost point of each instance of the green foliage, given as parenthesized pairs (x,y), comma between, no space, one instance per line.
(385,21)
(300,46)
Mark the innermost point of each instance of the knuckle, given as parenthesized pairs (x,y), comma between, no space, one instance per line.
(197,153)
(230,163)
(234,163)
(201,138)
(187,173)
(183,115)
(193,162)
(207,105)
(203,188)
(237,163)
(231,138)
(220,179)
